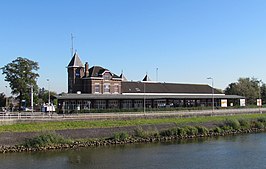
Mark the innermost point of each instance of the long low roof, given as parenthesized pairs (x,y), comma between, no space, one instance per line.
(159,87)
(141,96)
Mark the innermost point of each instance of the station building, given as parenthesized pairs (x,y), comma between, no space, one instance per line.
(98,88)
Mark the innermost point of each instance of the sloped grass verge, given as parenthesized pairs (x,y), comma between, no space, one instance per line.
(64,125)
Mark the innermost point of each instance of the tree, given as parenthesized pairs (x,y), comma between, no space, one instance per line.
(21,75)
(2,100)
(263,92)
(43,96)
(248,87)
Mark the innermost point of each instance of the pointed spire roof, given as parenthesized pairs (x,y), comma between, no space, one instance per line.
(123,77)
(75,61)
(146,78)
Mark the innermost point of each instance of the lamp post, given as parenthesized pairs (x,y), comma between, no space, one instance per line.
(260,100)
(31,96)
(48,80)
(6,98)
(144,104)
(210,78)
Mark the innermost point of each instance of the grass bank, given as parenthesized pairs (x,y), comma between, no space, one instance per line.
(52,141)
(64,125)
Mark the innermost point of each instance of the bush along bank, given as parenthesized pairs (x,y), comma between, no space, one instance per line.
(53,141)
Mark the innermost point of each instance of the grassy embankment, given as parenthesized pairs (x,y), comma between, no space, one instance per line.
(231,125)
(63,125)
(186,128)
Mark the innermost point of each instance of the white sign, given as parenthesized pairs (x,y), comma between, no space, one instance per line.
(223,102)
(242,102)
(259,102)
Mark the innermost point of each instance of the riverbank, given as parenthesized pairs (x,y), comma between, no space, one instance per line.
(157,132)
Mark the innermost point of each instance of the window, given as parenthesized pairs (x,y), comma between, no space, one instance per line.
(116,88)
(77,73)
(113,104)
(107,76)
(100,104)
(127,104)
(106,88)
(97,88)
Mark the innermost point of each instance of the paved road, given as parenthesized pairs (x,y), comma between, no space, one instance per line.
(39,116)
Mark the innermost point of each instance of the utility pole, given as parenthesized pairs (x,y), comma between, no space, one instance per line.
(210,78)
(31,91)
(6,98)
(49,104)
(260,100)
(157,74)
(144,105)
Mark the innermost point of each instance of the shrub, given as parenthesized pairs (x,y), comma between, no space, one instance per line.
(262,119)
(202,130)
(170,132)
(182,132)
(120,136)
(154,132)
(45,140)
(139,132)
(234,123)
(191,130)
(175,131)
(217,130)
(258,125)
(244,123)
(166,133)
(226,128)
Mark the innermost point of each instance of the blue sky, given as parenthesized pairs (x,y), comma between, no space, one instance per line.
(187,41)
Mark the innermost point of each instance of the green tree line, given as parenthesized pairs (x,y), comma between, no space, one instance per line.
(251,88)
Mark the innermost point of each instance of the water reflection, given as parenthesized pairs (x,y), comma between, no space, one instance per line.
(246,151)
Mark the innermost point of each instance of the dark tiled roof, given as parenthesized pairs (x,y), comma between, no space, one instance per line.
(75,61)
(153,87)
(96,71)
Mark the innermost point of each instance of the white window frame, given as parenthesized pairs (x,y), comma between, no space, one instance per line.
(106,84)
(97,84)
(116,92)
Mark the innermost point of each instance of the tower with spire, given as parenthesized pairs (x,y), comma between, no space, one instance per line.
(75,70)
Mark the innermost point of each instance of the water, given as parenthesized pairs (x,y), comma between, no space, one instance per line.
(235,152)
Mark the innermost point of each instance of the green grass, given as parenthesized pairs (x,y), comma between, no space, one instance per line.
(51,126)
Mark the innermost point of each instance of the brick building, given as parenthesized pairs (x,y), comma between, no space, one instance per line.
(98,88)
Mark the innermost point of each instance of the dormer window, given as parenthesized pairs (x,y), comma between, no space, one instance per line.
(107,76)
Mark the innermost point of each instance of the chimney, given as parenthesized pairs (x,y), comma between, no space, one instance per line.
(86,69)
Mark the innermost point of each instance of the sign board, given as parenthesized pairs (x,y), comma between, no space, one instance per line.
(223,102)
(259,102)
(242,102)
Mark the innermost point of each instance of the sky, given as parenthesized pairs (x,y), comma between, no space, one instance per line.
(187,40)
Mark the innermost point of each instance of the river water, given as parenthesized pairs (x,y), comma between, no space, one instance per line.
(233,152)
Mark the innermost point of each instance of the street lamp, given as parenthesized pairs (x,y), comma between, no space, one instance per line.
(260,100)
(48,80)
(144,106)
(31,96)
(6,98)
(210,78)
